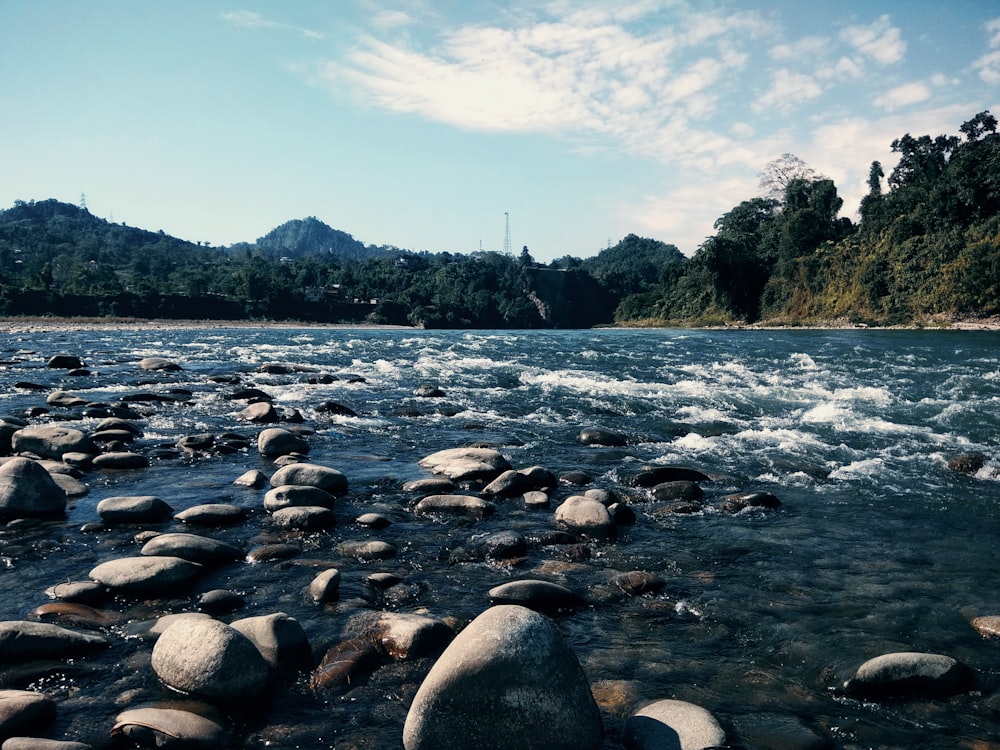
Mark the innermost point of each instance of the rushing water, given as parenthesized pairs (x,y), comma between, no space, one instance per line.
(877,546)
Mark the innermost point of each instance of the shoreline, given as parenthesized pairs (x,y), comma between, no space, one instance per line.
(29,324)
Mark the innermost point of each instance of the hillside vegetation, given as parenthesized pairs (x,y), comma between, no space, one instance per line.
(927,245)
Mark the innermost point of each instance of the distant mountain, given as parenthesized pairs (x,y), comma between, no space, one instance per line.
(310,236)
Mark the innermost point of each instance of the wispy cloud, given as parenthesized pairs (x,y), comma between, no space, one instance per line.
(585,72)
(880,41)
(901,96)
(788,89)
(250,19)
(989,64)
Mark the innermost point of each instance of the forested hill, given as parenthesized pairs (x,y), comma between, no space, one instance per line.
(927,245)
(59,259)
(310,236)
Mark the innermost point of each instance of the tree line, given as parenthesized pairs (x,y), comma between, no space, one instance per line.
(927,243)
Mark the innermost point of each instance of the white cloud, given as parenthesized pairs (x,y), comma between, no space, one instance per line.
(787,90)
(805,49)
(881,41)
(993,29)
(901,96)
(249,19)
(989,68)
(390,19)
(582,74)
(989,64)
(845,69)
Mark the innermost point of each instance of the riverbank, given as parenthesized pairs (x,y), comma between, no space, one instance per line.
(46,324)
(29,324)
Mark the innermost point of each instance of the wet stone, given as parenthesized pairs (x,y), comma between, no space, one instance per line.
(279,638)
(24,711)
(673,723)
(601,436)
(511,665)
(987,626)
(212,514)
(367,550)
(289,496)
(372,521)
(120,461)
(454,504)
(198,549)
(539,595)
(220,602)
(23,640)
(305,517)
(207,659)
(168,728)
(133,509)
(311,475)
(909,675)
(325,587)
(140,576)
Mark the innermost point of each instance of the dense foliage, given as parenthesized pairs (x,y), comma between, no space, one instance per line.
(927,244)
(58,259)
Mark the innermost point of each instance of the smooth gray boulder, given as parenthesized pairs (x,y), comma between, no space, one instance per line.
(909,674)
(24,711)
(304,517)
(154,364)
(120,461)
(467,464)
(133,509)
(374,549)
(279,638)
(22,640)
(402,635)
(509,679)
(325,587)
(293,495)
(146,575)
(170,728)
(39,743)
(542,596)
(52,441)
(277,441)
(311,475)
(673,725)
(253,478)
(585,516)
(198,549)
(454,504)
(211,514)
(208,659)
(27,489)
(262,412)
(65,400)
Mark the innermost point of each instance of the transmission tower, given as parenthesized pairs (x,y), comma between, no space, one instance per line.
(506,234)
(83,201)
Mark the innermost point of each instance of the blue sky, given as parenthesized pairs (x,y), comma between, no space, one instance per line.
(420,123)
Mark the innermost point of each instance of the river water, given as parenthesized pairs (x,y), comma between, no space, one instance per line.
(877,545)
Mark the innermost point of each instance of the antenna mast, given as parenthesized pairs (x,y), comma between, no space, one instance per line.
(506,234)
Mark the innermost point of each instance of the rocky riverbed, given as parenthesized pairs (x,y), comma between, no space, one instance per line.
(293,605)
